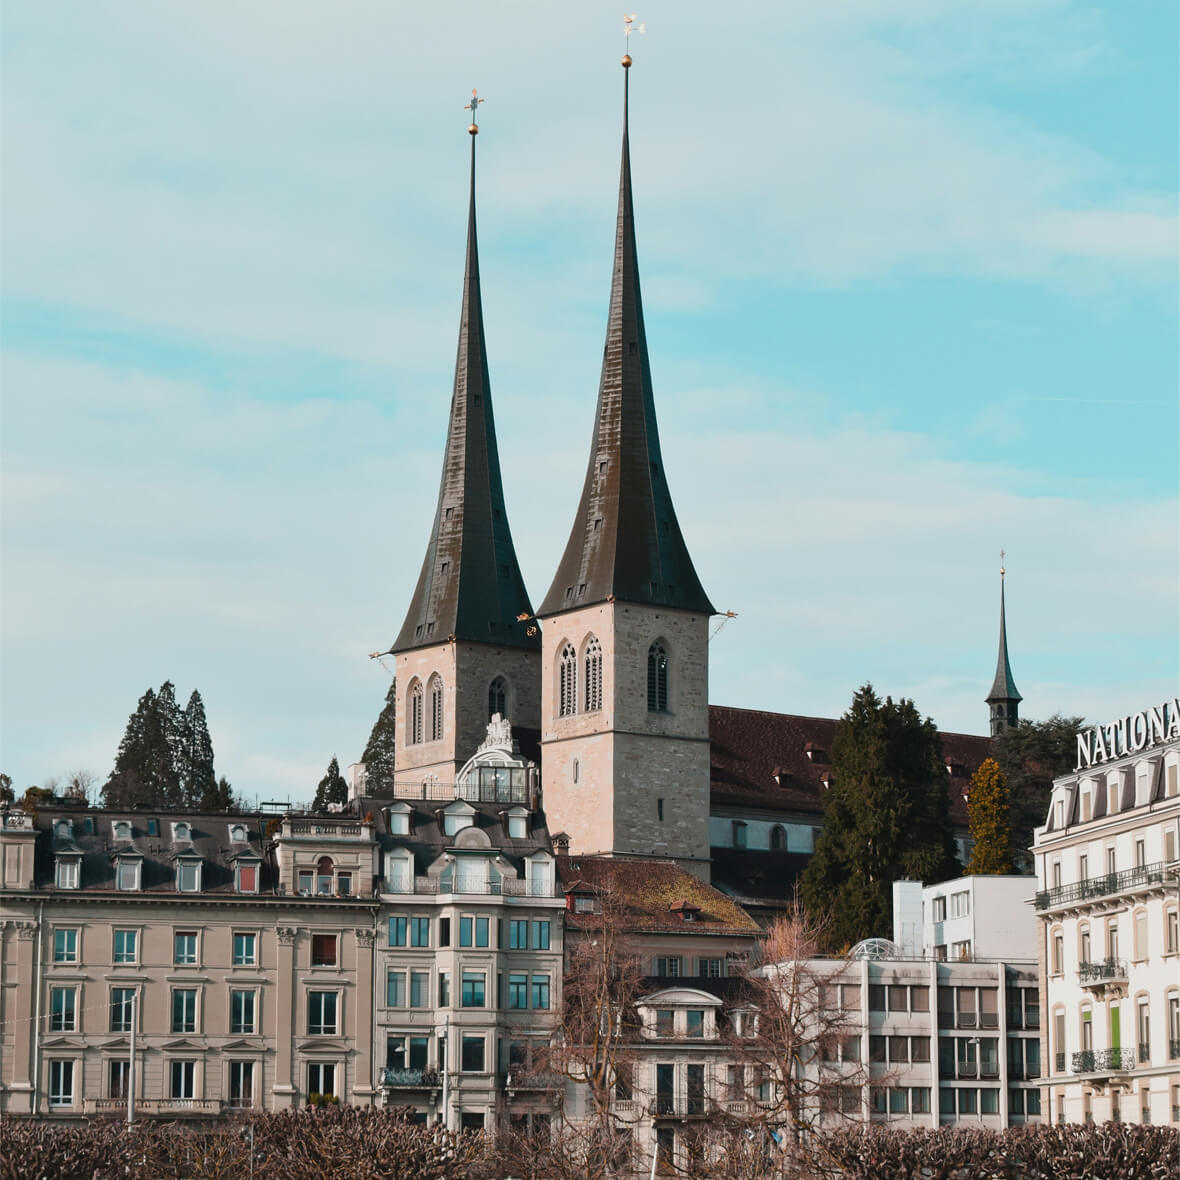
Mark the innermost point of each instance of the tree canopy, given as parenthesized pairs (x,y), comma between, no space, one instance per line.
(1030,756)
(381,749)
(166,757)
(886,817)
(331,789)
(991,828)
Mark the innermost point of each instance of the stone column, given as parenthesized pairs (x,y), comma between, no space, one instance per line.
(285,986)
(24,1010)
(362,1083)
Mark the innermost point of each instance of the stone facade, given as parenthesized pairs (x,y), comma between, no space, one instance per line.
(624,778)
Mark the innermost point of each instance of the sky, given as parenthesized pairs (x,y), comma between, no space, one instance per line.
(910,277)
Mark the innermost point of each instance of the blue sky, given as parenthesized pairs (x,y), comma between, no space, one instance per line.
(910,273)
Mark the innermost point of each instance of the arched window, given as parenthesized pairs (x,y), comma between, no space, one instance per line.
(414,714)
(323,872)
(498,697)
(593,681)
(778,839)
(436,708)
(657,678)
(567,703)
(122,830)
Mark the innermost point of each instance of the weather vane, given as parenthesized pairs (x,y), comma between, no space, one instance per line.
(473,107)
(630,26)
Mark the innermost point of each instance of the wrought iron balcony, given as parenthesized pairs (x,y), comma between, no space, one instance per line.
(685,1108)
(1102,973)
(1104,886)
(1103,1060)
(411,1079)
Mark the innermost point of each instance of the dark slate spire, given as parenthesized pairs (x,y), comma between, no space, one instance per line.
(1003,699)
(470,586)
(625,542)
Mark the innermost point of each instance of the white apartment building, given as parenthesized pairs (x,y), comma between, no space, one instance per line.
(980,917)
(1108,871)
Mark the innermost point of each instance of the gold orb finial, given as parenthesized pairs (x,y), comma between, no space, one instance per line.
(473,129)
(626,61)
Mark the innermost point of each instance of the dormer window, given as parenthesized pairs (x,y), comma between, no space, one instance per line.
(62,829)
(182,832)
(518,825)
(127,873)
(188,875)
(584,905)
(455,821)
(66,872)
(246,876)
(122,829)
(237,833)
(399,822)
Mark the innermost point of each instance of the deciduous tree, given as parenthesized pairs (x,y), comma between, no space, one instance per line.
(991,827)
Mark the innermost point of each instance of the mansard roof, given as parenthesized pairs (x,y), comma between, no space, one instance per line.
(625,542)
(470,586)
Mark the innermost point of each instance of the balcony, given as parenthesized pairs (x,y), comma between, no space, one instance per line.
(1096,977)
(1098,887)
(686,1108)
(532,1083)
(1103,1061)
(326,829)
(411,1079)
(471,886)
(157,1107)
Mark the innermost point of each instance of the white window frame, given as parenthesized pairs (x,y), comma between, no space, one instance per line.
(61,1076)
(67,872)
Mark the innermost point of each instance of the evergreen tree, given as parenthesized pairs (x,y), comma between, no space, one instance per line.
(197,779)
(886,817)
(381,749)
(332,788)
(132,781)
(1030,756)
(169,753)
(7,794)
(991,828)
(218,796)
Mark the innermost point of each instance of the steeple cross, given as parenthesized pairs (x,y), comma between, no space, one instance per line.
(473,105)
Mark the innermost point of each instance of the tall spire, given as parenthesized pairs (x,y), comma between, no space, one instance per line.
(1003,699)
(470,587)
(625,542)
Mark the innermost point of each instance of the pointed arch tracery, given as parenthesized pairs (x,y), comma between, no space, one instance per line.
(498,697)
(436,708)
(567,687)
(657,677)
(592,682)
(414,713)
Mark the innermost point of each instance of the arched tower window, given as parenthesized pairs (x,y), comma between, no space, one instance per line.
(567,703)
(778,839)
(657,678)
(593,682)
(414,715)
(498,697)
(436,708)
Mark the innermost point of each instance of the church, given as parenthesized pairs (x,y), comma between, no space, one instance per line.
(606,683)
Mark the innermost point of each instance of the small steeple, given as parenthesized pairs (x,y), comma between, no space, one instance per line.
(1003,700)
(470,587)
(625,542)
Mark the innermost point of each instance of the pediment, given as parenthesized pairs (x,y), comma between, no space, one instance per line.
(184,1043)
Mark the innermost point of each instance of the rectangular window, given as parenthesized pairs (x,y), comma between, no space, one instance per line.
(946,1101)
(305,881)
(968,1101)
(241,1009)
(344,884)
(518,991)
(184,1009)
(444,989)
(419,989)
(695,1089)
(321,1078)
(1171,932)
(188,876)
(322,1013)
(118,1073)
(668,965)
(899,1101)
(898,998)
(245,950)
(876,1048)
(518,934)
(183,1079)
(63,1009)
(541,991)
(877,1100)
(694,1023)
(397,931)
(989,1100)
(184,948)
(665,1022)
(241,1084)
(323,950)
(65,945)
(920,1100)
(709,968)
(121,1004)
(61,1083)
(940,909)
(474,983)
(899,1050)
(247,882)
(395,989)
(472,1058)
(473,931)
(67,873)
(919,1049)
(876,997)
(126,942)
(127,875)
(419,932)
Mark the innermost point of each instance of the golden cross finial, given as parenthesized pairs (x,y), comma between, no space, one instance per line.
(473,106)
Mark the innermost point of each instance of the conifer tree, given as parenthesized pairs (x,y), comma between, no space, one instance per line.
(218,796)
(991,829)
(197,779)
(381,749)
(168,754)
(886,817)
(132,781)
(332,788)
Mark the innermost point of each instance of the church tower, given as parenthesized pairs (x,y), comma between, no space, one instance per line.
(463,652)
(624,666)
(1003,701)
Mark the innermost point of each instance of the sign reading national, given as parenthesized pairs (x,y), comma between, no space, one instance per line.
(1129,735)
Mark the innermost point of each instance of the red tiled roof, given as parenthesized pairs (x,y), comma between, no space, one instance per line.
(750,747)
